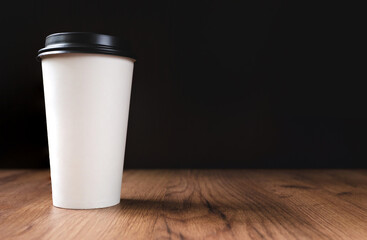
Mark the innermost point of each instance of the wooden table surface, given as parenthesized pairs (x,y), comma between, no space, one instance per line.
(195,204)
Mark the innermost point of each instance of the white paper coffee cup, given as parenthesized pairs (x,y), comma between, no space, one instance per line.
(87,83)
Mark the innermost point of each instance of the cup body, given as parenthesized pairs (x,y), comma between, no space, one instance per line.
(87,99)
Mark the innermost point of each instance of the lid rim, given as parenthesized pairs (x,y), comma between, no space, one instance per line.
(85,42)
(65,51)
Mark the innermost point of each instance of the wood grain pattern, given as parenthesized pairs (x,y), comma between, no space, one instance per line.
(195,204)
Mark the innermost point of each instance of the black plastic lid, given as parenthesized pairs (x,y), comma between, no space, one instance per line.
(83,42)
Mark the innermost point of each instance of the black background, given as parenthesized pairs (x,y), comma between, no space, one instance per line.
(217,84)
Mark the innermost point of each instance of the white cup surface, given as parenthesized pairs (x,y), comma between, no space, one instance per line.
(87,100)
